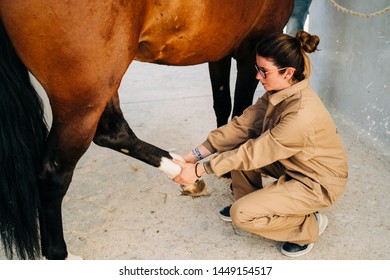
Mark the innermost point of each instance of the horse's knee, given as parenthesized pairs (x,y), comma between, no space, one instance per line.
(114,134)
(101,139)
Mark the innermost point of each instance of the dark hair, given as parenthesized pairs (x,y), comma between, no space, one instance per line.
(288,51)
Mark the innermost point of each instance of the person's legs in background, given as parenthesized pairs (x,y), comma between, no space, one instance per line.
(298,17)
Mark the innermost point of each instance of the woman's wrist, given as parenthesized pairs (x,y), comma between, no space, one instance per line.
(200,169)
(200,152)
(190,157)
(207,167)
(196,152)
(198,172)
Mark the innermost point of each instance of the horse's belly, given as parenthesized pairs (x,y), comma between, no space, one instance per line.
(179,51)
(187,33)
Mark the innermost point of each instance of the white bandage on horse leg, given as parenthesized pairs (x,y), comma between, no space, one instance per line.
(169,167)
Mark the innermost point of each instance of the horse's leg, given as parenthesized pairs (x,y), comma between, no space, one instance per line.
(67,142)
(246,81)
(220,83)
(114,132)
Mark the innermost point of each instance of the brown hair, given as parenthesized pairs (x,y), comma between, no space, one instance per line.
(288,51)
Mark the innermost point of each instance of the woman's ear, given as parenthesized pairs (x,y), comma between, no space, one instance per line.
(289,73)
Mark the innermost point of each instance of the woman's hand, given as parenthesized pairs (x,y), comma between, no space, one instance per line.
(187,175)
(190,158)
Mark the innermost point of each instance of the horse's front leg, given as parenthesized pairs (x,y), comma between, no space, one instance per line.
(114,132)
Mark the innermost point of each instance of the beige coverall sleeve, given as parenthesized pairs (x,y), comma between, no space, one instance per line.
(239,129)
(287,138)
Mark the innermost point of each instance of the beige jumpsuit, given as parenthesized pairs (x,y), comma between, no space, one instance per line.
(290,136)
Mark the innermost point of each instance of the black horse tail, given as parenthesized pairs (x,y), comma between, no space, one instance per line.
(23,131)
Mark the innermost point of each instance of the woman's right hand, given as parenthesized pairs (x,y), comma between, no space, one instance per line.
(187,175)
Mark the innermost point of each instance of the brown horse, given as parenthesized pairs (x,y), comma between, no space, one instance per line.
(79,51)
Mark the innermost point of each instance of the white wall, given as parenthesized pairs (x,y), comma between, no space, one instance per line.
(351,73)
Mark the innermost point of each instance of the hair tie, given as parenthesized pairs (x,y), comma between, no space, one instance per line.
(196,170)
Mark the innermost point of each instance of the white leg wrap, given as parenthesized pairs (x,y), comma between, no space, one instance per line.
(169,167)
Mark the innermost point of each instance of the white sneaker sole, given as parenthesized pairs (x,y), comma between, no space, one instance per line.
(300,253)
(224,218)
(322,223)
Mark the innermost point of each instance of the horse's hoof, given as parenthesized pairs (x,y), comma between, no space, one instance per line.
(199,188)
(70,257)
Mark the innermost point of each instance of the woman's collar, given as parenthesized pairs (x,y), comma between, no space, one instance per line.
(279,96)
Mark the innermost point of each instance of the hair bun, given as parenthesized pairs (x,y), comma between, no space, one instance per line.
(308,42)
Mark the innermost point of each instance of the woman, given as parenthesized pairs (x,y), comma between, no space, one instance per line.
(287,134)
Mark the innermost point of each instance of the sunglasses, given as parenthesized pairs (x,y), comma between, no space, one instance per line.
(263,73)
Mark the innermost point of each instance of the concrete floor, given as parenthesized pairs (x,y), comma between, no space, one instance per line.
(119,208)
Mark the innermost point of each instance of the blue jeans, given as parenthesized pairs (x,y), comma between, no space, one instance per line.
(298,16)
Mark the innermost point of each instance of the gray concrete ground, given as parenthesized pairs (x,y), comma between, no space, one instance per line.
(120,208)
